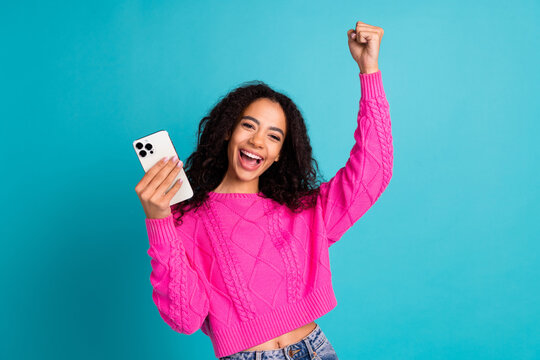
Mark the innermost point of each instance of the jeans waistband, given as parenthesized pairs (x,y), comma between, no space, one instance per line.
(307,345)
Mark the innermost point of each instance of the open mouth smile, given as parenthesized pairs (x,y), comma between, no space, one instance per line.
(248,160)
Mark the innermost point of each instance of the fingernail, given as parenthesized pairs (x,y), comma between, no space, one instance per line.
(180,163)
(175,158)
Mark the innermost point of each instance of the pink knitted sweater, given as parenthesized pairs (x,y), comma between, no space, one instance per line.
(245,269)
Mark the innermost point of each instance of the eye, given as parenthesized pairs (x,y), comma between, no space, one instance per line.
(248,125)
(275,137)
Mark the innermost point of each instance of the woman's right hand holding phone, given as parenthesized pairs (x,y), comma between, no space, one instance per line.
(154,184)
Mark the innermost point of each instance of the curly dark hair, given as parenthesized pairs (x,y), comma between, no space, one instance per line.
(293,180)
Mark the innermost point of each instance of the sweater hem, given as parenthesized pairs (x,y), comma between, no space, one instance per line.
(244,335)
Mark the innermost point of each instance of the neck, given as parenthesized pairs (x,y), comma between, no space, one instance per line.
(229,185)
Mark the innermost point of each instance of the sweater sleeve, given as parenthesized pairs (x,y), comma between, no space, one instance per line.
(179,291)
(357,185)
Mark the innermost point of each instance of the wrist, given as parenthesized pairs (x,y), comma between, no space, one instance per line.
(369,70)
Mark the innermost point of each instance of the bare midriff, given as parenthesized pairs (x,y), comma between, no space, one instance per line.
(289,338)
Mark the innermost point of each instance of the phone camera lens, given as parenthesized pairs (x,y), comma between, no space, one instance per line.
(142,153)
(139,145)
(148,146)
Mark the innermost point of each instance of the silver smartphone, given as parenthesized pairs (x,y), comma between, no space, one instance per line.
(152,148)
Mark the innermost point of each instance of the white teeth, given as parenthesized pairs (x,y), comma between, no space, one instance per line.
(253,156)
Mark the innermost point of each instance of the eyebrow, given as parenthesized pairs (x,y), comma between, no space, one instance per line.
(258,123)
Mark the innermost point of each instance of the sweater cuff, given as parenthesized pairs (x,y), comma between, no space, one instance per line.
(161,231)
(371,85)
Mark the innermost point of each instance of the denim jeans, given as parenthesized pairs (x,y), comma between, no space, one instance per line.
(315,346)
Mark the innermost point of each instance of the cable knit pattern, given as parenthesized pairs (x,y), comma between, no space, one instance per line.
(229,265)
(288,252)
(245,269)
(179,308)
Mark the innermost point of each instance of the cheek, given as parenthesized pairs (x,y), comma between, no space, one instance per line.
(231,152)
(275,151)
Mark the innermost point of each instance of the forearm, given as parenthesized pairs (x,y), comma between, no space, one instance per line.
(367,172)
(179,291)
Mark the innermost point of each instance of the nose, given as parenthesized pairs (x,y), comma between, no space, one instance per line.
(256,139)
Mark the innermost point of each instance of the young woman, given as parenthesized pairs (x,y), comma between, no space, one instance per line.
(246,258)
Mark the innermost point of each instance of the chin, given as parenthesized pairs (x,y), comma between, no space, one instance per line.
(244,176)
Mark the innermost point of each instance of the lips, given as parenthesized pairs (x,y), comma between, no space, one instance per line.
(246,165)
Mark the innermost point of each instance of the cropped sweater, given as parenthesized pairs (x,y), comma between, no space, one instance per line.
(245,269)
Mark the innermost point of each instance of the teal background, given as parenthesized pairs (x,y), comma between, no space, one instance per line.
(444,266)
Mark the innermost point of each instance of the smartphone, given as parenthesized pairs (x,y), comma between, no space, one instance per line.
(152,148)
